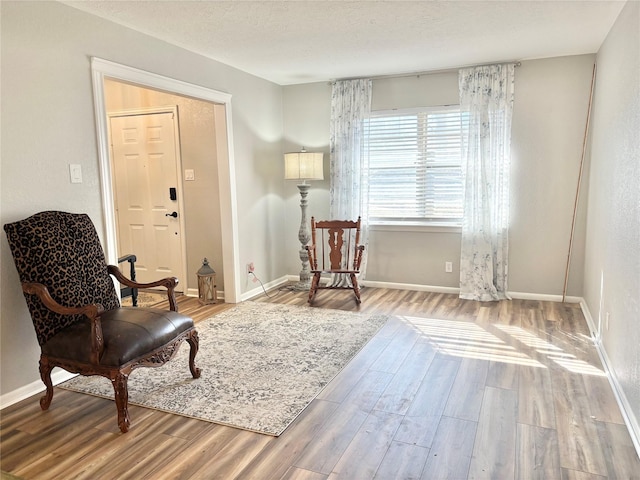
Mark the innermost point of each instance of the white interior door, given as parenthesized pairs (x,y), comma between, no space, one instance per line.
(147,194)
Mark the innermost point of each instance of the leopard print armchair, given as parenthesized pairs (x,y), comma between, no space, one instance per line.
(79,323)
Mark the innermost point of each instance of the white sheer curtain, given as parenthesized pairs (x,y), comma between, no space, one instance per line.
(350,105)
(486,104)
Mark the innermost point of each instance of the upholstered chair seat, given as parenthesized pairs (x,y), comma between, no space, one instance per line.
(129,333)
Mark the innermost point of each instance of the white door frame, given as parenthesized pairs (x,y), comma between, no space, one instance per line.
(173,109)
(101,69)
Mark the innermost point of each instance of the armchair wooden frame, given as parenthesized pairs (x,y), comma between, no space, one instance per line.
(79,322)
(118,375)
(335,249)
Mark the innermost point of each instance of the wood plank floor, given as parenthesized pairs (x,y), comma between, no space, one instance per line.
(447,389)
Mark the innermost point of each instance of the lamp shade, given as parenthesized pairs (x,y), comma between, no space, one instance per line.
(303,166)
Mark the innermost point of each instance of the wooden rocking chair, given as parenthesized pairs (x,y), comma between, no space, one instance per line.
(79,322)
(335,249)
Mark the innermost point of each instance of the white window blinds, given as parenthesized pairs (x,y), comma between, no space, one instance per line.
(414,166)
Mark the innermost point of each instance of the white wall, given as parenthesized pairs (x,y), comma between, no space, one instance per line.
(551,99)
(48,123)
(306,110)
(612,260)
(549,119)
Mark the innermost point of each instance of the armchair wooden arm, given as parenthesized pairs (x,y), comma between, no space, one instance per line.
(91,311)
(170,283)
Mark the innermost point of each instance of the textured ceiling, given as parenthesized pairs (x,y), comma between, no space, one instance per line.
(291,42)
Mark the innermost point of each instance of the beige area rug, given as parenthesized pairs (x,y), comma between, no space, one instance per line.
(145,299)
(262,364)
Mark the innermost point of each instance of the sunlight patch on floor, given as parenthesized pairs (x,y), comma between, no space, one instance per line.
(470,340)
(553,352)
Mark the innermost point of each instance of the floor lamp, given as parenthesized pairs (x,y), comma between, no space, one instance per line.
(303,166)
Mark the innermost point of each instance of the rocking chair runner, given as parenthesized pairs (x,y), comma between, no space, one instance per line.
(335,248)
(79,322)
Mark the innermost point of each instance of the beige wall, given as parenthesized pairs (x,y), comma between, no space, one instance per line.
(48,123)
(551,99)
(612,260)
(198,152)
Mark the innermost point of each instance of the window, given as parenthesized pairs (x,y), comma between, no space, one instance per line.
(414,170)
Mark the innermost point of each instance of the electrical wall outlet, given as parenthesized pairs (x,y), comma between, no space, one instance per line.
(250,268)
(448,267)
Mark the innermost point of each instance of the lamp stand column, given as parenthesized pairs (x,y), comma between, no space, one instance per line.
(304,236)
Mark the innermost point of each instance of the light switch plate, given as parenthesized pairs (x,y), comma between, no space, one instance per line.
(75,173)
(189,175)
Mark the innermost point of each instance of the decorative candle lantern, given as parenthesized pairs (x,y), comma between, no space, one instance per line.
(207,284)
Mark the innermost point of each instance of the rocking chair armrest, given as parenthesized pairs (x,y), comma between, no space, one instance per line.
(170,283)
(311,252)
(92,311)
(358,257)
(127,258)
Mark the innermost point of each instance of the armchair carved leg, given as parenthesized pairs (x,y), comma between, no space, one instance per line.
(45,375)
(314,286)
(356,289)
(122,400)
(194,343)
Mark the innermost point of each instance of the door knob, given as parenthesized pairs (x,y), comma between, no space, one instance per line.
(173,214)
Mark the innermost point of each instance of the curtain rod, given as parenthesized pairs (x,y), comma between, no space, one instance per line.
(419,74)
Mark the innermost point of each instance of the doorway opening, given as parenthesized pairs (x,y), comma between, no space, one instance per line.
(105,72)
(147,179)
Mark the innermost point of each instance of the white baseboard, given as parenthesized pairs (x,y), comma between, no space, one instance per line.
(455,291)
(547,297)
(392,285)
(57,376)
(595,333)
(260,288)
(193,292)
(411,286)
(629,417)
